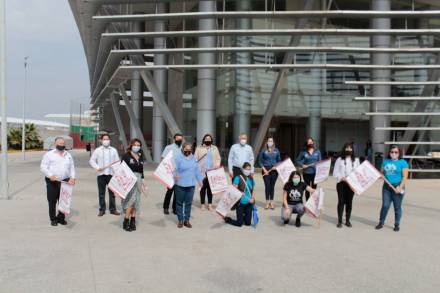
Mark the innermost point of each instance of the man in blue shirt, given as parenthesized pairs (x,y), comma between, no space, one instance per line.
(176,149)
(239,154)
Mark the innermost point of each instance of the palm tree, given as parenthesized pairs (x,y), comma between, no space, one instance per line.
(32,138)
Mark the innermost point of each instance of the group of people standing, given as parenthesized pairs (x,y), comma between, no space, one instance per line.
(57,166)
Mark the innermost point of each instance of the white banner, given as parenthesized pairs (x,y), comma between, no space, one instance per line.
(165,171)
(202,165)
(322,170)
(284,169)
(315,205)
(363,177)
(65,198)
(122,180)
(227,201)
(218,182)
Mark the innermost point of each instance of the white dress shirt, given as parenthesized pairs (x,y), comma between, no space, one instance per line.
(240,154)
(60,165)
(103,157)
(343,167)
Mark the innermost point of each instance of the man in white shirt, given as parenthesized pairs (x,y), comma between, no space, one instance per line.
(239,154)
(101,160)
(57,166)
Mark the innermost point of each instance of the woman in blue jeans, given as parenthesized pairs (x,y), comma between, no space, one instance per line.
(187,175)
(395,171)
(245,183)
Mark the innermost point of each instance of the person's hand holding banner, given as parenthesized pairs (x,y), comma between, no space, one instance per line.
(122,180)
(363,177)
(217,179)
(165,171)
(284,169)
(322,170)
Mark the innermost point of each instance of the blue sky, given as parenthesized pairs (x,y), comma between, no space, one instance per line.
(46,31)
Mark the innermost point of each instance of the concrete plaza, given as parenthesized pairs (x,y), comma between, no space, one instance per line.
(94,254)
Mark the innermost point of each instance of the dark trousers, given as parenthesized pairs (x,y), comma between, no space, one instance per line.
(309,179)
(53,195)
(345,198)
(168,196)
(269,184)
(205,189)
(244,214)
(103,181)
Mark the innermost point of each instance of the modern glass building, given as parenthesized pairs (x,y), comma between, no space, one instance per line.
(334,70)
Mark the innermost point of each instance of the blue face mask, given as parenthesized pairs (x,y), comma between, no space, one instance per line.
(136,149)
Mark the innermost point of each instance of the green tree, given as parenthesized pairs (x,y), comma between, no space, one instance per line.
(33,140)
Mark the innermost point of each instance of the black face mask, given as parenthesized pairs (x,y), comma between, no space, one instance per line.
(348,153)
(60,147)
(310,145)
(208,143)
(187,153)
(178,142)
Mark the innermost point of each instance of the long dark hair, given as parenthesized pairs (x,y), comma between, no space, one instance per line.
(130,147)
(395,146)
(292,175)
(305,143)
(205,136)
(348,144)
(241,185)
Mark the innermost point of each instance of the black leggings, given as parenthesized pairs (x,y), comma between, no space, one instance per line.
(269,184)
(345,197)
(308,179)
(205,189)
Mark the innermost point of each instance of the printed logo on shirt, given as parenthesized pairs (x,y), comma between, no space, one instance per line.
(294,195)
(390,169)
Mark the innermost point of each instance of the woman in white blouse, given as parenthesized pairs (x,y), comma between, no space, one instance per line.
(343,167)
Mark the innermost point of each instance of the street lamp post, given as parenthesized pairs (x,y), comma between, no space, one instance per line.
(23,131)
(3,103)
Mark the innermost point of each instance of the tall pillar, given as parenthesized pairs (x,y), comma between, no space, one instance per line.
(242,114)
(206,78)
(380,41)
(161,80)
(137,95)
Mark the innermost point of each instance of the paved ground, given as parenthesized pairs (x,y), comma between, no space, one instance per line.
(93,254)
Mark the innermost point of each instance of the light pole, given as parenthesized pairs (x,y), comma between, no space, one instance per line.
(4,140)
(23,131)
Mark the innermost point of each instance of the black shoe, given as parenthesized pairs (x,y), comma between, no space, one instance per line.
(62,222)
(166,211)
(298,222)
(227,219)
(348,224)
(286,222)
(126,225)
(396,228)
(54,223)
(339,225)
(378,227)
(101,213)
(133,224)
(174,212)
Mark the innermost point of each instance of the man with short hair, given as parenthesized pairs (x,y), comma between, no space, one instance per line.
(101,160)
(57,166)
(175,147)
(239,154)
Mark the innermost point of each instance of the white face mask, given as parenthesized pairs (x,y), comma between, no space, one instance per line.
(394,156)
(246,172)
(106,142)
(270,144)
(243,141)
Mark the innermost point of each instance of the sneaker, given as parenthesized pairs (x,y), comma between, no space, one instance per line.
(348,224)
(396,228)
(298,222)
(54,223)
(339,225)
(378,227)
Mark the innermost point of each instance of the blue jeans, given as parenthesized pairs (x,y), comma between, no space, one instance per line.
(388,196)
(184,198)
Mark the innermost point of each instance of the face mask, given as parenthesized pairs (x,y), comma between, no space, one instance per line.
(348,152)
(178,142)
(61,147)
(208,143)
(187,153)
(106,142)
(296,181)
(394,156)
(270,144)
(247,172)
(243,141)
(310,145)
(136,149)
